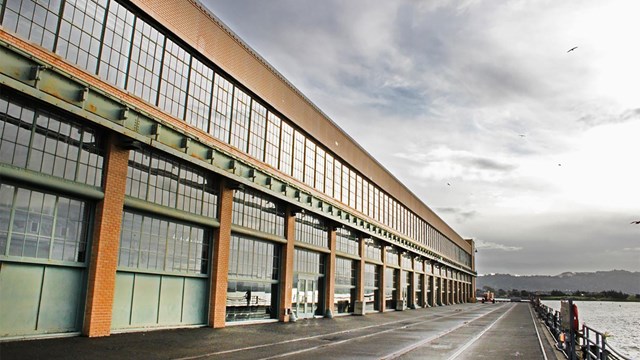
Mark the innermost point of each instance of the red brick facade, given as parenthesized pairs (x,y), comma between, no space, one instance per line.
(105,244)
(220,265)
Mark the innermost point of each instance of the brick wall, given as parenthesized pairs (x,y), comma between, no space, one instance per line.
(105,243)
(220,265)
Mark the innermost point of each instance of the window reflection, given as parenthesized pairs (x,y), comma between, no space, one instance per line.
(40,225)
(151,243)
(252,289)
(311,230)
(43,142)
(257,211)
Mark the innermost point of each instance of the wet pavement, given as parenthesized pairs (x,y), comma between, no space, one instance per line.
(465,331)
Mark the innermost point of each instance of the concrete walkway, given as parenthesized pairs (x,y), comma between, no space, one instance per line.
(466,331)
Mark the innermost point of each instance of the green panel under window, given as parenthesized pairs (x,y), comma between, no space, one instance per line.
(195,305)
(170,300)
(39,299)
(144,307)
(61,305)
(122,300)
(19,298)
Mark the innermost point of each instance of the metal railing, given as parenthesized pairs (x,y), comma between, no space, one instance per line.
(588,344)
(595,347)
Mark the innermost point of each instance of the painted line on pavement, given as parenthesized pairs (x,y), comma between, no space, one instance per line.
(544,354)
(472,341)
(321,335)
(437,336)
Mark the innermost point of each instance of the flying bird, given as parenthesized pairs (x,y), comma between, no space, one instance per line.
(573,48)
(448,184)
(522,135)
(637,222)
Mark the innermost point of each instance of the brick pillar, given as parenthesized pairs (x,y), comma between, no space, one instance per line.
(412,293)
(383,280)
(286,275)
(473,287)
(220,264)
(106,242)
(360,280)
(451,291)
(330,273)
(423,279)
(434,300)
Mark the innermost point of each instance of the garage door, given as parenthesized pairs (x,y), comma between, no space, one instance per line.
(42,262)
(163,274)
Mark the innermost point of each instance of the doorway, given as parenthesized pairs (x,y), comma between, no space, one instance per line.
(306,299)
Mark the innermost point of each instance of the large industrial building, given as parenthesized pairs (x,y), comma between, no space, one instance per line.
(156,172)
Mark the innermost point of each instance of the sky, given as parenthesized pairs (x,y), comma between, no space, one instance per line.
(482,111)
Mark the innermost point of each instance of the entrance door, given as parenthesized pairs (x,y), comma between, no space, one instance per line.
(307,298)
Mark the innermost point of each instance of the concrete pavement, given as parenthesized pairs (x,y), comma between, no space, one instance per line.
(465,331)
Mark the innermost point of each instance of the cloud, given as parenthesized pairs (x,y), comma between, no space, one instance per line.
(488,245)
(444,163)
(460,214)
(439,93)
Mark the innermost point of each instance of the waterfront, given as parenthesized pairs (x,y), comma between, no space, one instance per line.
(621,320)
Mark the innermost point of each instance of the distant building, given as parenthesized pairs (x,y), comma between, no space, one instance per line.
(155,172)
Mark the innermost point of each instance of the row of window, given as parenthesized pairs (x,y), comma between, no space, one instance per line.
(107,39)
(42,141)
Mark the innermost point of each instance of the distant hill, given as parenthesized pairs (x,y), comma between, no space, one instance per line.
(618,280)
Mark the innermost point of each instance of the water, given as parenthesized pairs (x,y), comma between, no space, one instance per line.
(621,320)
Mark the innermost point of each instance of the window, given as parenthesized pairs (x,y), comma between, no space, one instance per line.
(329,175)
(199,95)
(118,33)
(345,285)
(253,259)
(311,230)
(347,241)
(257,211)
(419,265)
(48,143)
(173,85)
(337,182)
(40,225)
(371,287)
(320,171)
(407,262)
(390,288)
(310,163)
(81,31)
(145,62)
(372,249)
(298,155)
(167,182)
(221,108)
(391,256)
(252,287)
(36,21)
(345,185)
(308,262)
(272,151)
(240,121)
(257,131)
(156,244)
(286,148)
